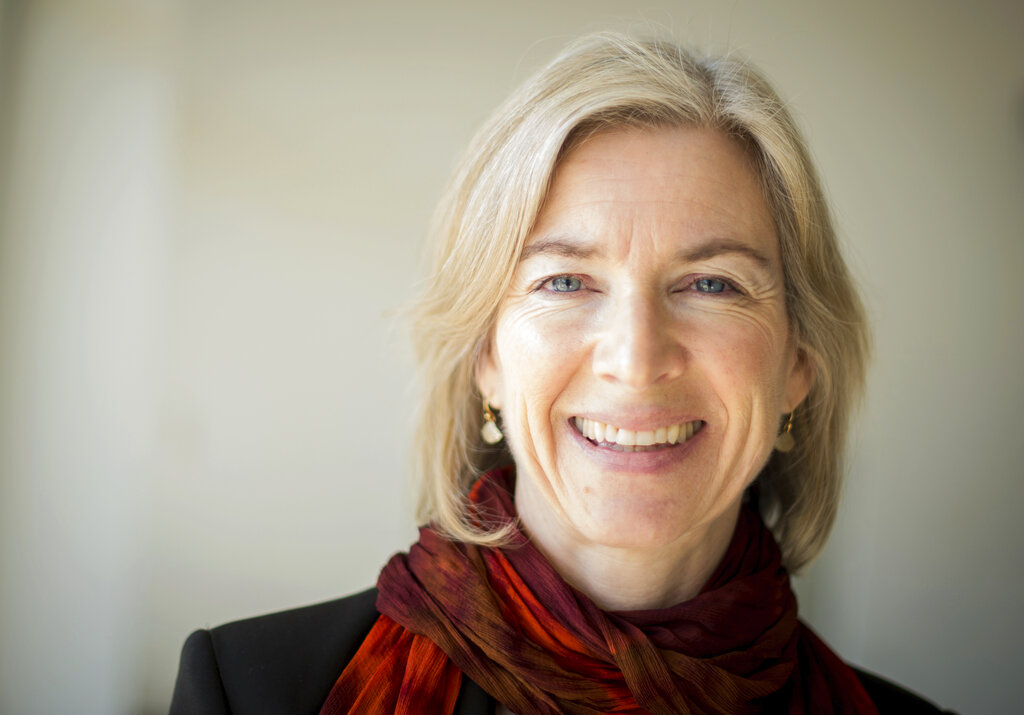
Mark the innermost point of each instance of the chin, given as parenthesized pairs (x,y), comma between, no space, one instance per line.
(639,524)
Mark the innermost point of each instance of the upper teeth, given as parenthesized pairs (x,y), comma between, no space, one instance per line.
(600,432)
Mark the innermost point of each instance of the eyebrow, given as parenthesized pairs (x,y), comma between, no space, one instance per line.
(722,246)
(557,247)
(711,249)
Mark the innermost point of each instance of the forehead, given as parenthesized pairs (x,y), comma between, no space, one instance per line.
(683,181)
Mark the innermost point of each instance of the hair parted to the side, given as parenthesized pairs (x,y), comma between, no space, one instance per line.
(601,82)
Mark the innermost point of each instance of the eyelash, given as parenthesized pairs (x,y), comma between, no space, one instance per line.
(546,284)
(728,287)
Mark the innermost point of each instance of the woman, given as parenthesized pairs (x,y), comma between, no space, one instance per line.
(641,334)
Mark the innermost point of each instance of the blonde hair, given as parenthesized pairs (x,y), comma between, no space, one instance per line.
(601,82)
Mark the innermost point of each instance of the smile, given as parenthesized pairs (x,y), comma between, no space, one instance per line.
(625,440)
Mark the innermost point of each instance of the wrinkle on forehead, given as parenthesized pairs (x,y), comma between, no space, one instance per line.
(704,197)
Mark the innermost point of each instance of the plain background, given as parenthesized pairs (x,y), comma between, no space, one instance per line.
(210,209)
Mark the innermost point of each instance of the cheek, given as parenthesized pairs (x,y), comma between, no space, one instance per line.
(538,353)
(536,368)
(745,363)
(536,344)
(748,354)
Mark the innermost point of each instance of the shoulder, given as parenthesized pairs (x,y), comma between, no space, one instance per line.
(283,662)
(891,698)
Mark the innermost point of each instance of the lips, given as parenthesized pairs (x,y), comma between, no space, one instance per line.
(627,440)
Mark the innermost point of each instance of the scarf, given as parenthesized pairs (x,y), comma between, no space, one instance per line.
(507,620)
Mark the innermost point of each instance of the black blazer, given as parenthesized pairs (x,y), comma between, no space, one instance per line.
(288,662)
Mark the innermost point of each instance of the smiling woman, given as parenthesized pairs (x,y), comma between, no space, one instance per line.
(635,268)
(650,297)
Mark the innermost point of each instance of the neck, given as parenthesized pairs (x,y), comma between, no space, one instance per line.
(628,578)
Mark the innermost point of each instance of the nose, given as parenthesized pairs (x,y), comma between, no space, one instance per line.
(639,346)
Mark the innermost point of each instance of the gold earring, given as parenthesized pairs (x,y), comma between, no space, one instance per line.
(490,431)
(785,441)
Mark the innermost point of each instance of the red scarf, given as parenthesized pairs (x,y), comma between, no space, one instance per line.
(507,620)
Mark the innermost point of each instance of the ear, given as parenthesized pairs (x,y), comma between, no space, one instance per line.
(489,378)
(800,378)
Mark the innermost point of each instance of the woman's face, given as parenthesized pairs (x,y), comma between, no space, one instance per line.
(642,357)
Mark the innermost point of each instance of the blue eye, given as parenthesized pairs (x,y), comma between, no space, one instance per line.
(565,284)
(710,285)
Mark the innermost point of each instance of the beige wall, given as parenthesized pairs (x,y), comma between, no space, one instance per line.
(209,210)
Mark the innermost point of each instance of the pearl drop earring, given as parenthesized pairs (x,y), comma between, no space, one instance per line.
(490,431)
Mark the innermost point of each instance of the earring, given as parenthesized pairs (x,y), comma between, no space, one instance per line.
(490,430)
(785,441)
